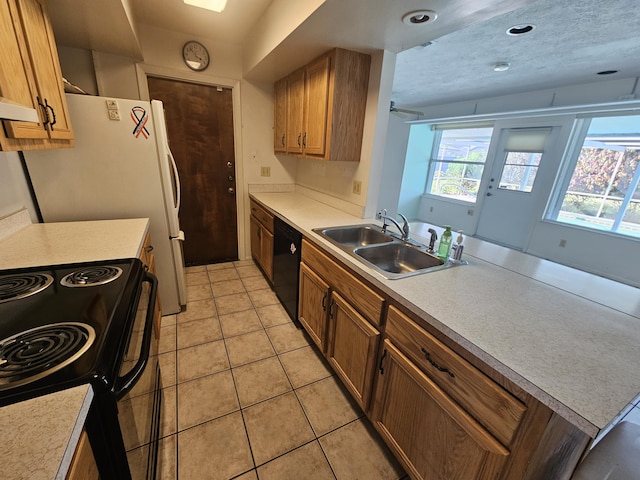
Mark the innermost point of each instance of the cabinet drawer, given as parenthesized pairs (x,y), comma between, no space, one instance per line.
(485,400)
(264,217)
(368,302)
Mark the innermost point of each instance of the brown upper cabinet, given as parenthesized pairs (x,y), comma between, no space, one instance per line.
(319,109)
(30,75)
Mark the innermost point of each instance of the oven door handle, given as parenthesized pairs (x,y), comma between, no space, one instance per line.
(127,382)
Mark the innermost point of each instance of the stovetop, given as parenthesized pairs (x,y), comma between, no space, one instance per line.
(65,325)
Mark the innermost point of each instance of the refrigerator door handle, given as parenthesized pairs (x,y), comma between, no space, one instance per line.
(176,178)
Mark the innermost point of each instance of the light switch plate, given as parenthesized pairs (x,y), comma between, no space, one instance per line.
(111,104)
(114,114)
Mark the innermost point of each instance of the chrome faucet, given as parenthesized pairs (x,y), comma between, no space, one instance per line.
(432,241)
(404,229)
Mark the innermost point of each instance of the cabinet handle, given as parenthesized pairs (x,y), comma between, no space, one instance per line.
(332,309)
(45,112)
(435,365)
(381,366)
(53,113)
(324,302)
(299,136)
(283,139)
(304,140)
(259,233)
(149,249)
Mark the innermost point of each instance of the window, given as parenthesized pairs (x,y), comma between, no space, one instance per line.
(600,188)
(523,151)
(457,162)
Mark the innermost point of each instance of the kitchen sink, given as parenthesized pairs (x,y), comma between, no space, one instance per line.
(390,256)
(355,235)
(398,258)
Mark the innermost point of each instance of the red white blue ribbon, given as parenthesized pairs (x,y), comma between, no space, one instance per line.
(140,118)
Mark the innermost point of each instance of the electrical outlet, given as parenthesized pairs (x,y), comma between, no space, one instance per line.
(563,243)
(357,187)
(431,209)
(112,104)
(265,171)
(470,212)
(114,114)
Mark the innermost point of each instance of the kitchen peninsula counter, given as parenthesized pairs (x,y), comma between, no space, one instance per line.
(568,338)
(73,242)
(44,432)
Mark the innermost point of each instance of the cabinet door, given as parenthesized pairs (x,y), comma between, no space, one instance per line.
(16,78)
(280,116)
(295,107)
(44,62)
(314,300)
(434,438)
(83,464)
(316,103)
(266,252)
(255,234)
(353,344)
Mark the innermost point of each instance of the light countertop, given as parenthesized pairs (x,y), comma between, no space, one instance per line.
(568,338)
(71,242)
(43,433)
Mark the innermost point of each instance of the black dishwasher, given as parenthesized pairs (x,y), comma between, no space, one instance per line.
(287,244)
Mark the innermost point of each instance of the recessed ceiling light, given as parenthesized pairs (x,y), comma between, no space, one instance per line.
(520,29)
(501,66)
(419,17)
(607,72)
(213,5)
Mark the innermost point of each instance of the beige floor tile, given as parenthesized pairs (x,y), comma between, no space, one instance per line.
(273,315)
(201,360)
(287,337)
(304,366)
(167,339)
(255,283)
(233,303)
(262,298)
(307,462)
(252,475)
(197,278)
(168,417)
(195,269)
(228,287)
(168,368)
(200,331)
(216,450)
(240,322)
(198,292)
(206,398)
(219,266)
(327,405)
(224,275)
(198,309)
(260,380)
(243,263)
(248,348)
(248,271)
(167,320)
(276,427)
(356,451)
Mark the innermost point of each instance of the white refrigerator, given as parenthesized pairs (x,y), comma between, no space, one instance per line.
(120,167)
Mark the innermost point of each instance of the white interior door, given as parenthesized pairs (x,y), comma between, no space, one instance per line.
(521,176)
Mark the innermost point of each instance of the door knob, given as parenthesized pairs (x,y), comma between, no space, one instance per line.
(229,164)
(230,178)
(231,190)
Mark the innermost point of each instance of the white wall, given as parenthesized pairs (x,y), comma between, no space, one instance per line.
(607,255)
(14,192)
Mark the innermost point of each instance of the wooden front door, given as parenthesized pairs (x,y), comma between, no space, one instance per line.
(200,130)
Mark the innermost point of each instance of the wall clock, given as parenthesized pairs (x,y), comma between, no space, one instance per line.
(195,56)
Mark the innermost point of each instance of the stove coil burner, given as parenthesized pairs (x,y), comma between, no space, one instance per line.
(15,287)
(91,276)
(36,353)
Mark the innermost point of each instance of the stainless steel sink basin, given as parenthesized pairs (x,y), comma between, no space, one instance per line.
(390,256)
(398,258)
(355,235)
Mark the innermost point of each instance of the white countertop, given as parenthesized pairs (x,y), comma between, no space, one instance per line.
(534,321)
(70,242)
(42,434)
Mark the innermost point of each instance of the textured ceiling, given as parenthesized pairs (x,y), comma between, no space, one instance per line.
(572,41)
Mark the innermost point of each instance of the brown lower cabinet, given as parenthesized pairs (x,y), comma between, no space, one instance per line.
(83,465)
(443,413)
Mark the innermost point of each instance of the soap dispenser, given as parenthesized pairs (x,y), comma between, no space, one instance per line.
(445,243)
(456,249)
